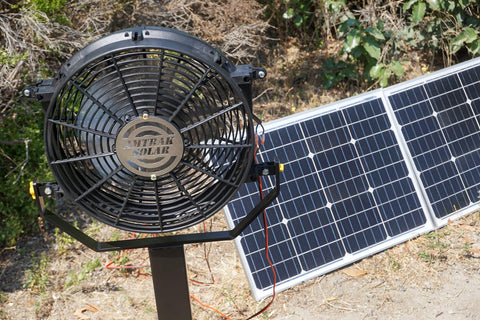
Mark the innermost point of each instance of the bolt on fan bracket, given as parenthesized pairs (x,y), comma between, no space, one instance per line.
(42,190)
(42,91)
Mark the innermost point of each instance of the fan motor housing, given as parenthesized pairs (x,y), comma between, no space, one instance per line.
(150,129)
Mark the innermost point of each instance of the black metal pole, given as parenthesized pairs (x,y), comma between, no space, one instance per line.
(170,283)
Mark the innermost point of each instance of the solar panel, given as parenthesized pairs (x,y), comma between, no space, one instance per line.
(362,175)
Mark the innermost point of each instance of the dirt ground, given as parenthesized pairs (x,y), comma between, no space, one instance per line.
(435,276)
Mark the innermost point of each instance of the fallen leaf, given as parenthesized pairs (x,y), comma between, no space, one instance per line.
(475,250)
(79,312)
(354,272)
(142,274)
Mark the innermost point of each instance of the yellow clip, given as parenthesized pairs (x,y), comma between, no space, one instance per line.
(281,167)
(32,191)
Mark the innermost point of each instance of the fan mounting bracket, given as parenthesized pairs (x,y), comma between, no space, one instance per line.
(244,75)
(155,242)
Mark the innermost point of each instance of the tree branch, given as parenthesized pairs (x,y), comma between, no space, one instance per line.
(12,142)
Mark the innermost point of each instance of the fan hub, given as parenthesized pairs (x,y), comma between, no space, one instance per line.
(149,146)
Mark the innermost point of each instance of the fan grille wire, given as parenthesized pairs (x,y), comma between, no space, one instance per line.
(100,98)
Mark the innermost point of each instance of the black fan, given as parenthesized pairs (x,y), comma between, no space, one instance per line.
(151,130)
(148,131)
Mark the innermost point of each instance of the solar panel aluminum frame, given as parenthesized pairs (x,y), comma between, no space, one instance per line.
(431,221)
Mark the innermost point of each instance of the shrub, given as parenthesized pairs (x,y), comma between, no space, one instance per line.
(22,160)
(443,27)
(373,51)
(368,54)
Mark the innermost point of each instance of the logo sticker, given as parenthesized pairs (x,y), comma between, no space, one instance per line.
(149,146)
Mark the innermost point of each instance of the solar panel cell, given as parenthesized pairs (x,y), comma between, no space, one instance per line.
(400,207)
(469,166)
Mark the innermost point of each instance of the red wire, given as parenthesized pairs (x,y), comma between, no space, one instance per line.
(109,264)
(265,223)
(266,251)
(267,256)
(207,306)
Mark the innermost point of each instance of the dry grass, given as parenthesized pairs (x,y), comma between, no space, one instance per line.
(37,44)
(234,26)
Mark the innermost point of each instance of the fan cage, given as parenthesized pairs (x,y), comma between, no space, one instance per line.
(196,96)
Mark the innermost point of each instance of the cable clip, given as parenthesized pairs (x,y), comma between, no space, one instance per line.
(259,135)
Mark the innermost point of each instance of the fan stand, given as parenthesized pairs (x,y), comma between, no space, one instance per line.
(170,282)
(167,257)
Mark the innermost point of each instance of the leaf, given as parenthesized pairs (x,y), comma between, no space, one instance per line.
(463,3)
(336,6)
(450,5)
(352,41)
(372,48)
(354,272)
(374,32)
(375,71)
(474,47)
(383,81)
(408,5)
(397,69)
(288,14)
(79,312)
(475,250)
(380,24)
(468,35)
(348,23)
(418,12)
(298,20)
(358,52)
(434,4)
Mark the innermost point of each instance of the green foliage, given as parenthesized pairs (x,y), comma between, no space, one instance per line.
(435,246)
(307,20)
(337,71)
(49,7)
(298,11)
(364,47)
(434,27)
(11,59)
(75,278)
(63,241)
(37,276)
(443,26)
(467,246)
(18,166)
(120,258)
